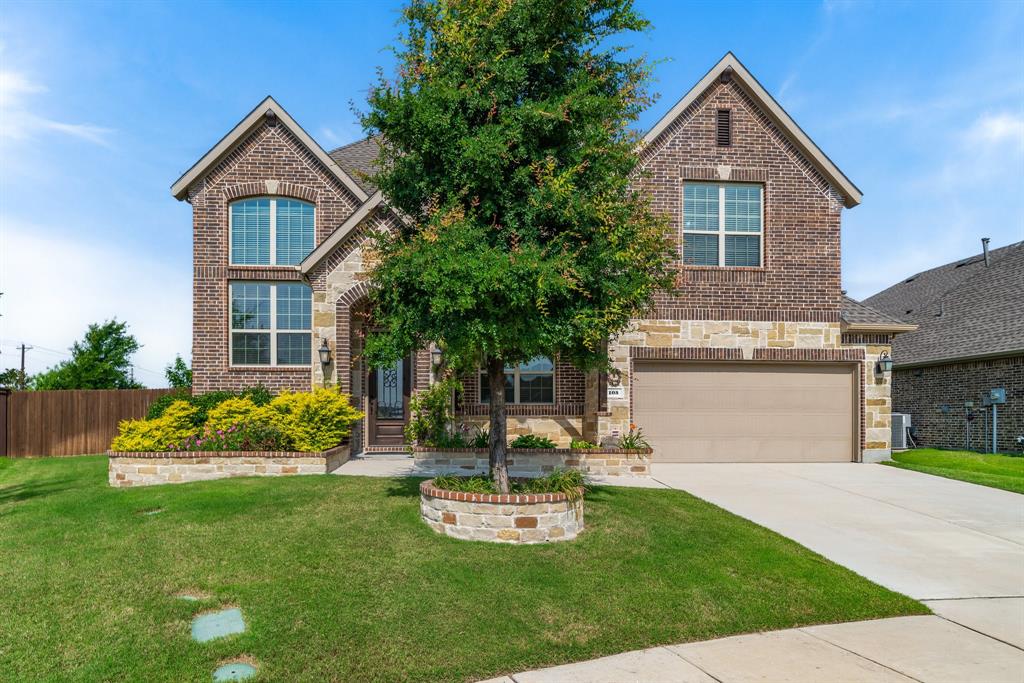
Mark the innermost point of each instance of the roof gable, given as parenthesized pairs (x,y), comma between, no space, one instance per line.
(731,66)
(267,108)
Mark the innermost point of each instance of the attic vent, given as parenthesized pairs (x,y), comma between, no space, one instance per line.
(909,311)
(910,279)
(724,129)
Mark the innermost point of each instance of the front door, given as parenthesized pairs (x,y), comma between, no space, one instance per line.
(389,403)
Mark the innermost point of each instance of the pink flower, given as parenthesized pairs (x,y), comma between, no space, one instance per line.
(220,432)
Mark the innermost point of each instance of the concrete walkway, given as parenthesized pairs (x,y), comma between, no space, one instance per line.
(904,649)
(956,546)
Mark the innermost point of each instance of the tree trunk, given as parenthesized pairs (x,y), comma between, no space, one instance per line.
(496,444)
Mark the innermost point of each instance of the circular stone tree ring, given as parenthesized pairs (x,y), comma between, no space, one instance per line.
(501,518)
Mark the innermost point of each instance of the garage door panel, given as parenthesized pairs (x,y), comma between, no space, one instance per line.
(730,412)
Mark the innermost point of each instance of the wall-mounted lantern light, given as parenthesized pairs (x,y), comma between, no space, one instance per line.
(325,356)
(436,356)
(884,364)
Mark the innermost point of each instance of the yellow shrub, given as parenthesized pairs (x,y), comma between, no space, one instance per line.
(313,421)
(160,434)
(235,411)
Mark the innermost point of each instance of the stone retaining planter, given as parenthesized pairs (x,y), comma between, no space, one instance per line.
(177,467)
(534,462)
(511,518)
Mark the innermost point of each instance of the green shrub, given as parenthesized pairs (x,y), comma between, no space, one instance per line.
(477,483)
(569,482)
(531,441)
(236,411)
(633,439)
(582,445)
(430,414)
(313,421)
(204,402)
(157,407)
(162,434)
(482,438)
(453,440)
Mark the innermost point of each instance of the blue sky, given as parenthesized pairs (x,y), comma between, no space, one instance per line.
(104,105)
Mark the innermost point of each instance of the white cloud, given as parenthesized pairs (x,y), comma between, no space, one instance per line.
(54,287)
(19,122)
(998,129)
(331,137)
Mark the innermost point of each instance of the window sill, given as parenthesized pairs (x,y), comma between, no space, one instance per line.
(264,273)
(713,269)
(269,368)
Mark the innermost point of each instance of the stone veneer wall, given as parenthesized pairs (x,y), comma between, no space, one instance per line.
(714,336)
(876,419)
(534,462)
(148,469)
(513,518)
(560,429)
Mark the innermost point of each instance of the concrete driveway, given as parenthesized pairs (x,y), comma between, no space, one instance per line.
(958,547)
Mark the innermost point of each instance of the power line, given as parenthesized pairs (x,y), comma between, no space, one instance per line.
(11,344)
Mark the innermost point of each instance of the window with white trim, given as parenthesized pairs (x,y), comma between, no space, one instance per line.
(270,231)
(271,323)
(530,382)
(723,224)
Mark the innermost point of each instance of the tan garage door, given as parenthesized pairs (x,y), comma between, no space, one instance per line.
(746,412)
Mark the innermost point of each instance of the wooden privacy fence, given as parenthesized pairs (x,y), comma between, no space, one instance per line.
(72,422)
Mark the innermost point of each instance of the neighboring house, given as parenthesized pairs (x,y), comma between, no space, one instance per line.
(754,356)
(970,315)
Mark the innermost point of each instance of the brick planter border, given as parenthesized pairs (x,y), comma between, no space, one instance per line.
(146,468)
(534,462)
(501,518)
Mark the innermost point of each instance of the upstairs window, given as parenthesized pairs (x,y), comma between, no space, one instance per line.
(271,323)
(266,232)
(723,224)
(531,382)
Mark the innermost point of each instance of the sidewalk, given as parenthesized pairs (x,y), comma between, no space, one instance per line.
(905,649)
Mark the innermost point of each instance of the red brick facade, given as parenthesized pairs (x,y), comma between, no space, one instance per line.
(800,275)
(797,282)
(934,397)
(270,153)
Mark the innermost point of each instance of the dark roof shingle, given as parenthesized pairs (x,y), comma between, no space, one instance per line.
(358,159)
(857,313)
(963,309)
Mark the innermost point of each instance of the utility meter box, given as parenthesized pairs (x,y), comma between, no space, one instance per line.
(996,396)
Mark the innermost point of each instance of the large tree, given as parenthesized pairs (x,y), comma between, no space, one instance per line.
(506,143)
(178,374)
(102,360)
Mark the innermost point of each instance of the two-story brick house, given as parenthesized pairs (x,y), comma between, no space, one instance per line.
(755,356)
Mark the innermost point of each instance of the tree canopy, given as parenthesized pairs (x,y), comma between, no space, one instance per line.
(506,144)
(178,374)
(102,360)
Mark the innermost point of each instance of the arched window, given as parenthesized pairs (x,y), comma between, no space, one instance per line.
(270,231)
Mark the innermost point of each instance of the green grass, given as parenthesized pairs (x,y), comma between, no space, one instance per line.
(339,580)
(998,471)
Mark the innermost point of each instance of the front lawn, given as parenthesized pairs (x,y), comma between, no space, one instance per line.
(339,580)
(998,471)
